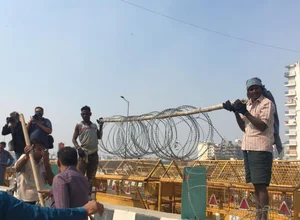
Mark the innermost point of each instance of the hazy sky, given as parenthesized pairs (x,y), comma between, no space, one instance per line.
(65,54)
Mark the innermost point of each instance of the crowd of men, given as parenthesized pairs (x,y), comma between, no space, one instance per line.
(257,118)
(77,165)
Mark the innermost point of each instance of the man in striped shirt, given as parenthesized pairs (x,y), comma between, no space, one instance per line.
(70,188)
(257,123)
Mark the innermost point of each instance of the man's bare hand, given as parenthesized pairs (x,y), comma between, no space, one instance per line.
(45,155)
(45,191)
(27,149)
(31,120)
(93,207)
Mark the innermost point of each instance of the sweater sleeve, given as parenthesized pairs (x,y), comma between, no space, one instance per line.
(14,209)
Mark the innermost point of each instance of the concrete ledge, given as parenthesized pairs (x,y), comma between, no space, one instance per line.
(117,212)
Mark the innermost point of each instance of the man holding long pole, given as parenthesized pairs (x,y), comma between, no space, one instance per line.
(27,190)
(32,162)
(257,123)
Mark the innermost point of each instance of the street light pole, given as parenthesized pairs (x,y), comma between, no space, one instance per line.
(126,138)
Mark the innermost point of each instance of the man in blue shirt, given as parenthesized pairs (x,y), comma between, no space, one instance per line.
(6,160)
(39,127)
(14,209)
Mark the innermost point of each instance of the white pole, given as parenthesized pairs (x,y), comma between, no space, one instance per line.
(162,116)
(32,162)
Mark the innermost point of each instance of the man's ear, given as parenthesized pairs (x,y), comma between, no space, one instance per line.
(90,113)
(58,163)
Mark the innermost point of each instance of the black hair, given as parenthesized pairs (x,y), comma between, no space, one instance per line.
(15,115)
(39,108)
(87,108)
(3,143)
(67,156)
(36,141)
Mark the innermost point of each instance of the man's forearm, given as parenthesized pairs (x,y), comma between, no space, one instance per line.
(45,129)
(21,163)
(28,125)
(258,124)
(240,121)
(49,173)
(6,130)
(11,161)
(16,209)
(100,132)
(75,143)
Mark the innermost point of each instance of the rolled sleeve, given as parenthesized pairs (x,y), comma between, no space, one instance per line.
(48,123)
(267,111)
(6,130)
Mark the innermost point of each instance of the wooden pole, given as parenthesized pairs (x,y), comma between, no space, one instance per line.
(32,162)
(162,116)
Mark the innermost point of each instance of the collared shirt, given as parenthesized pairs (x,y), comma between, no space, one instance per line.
(26,188)
(35,132)
(14,209)
(69,189)
(254,139)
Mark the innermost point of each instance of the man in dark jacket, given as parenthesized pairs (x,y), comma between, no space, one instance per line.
(13,126)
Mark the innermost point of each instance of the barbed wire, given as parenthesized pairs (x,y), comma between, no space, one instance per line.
(168,138)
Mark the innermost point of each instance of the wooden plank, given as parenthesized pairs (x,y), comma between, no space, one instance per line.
(152,171)
(296,204)
(32,161)
(119,200)
(162,116)
(159,197)
(145,206)
(121,177)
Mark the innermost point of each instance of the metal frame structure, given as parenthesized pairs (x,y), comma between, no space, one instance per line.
(157,186)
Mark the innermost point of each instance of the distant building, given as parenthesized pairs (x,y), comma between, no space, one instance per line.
(285,155)
(293,107)
(61,145)
(206,151)
(228,150)
(224,151)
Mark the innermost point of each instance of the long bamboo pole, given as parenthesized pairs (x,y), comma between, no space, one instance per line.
(162,116)
(32,162)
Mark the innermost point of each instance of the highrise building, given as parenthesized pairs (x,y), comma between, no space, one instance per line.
(293,106)
(206,151)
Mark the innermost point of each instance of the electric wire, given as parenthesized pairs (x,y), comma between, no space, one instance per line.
(210,30)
